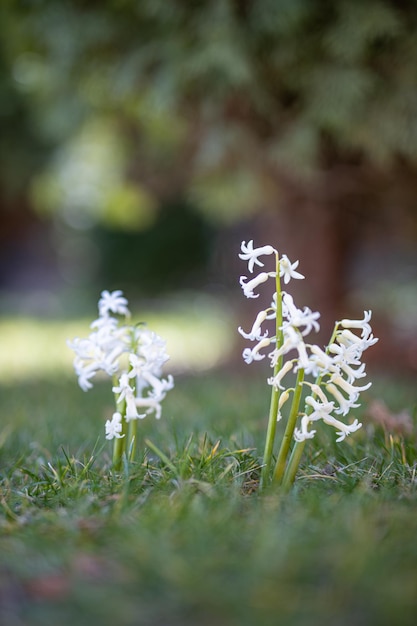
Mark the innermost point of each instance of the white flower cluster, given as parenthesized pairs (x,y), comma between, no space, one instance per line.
(335,369)
(130,354)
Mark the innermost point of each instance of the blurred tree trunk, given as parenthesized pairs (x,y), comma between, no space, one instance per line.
(24,243)
(315,224)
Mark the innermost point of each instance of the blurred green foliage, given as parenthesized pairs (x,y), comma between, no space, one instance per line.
(169,256)
(227,85)
(111,110)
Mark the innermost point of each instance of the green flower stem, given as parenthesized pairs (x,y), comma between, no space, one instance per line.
(293,465)
(119,445)
(275,394)
(131,439)
(270,437)
(289,430)
(297,452)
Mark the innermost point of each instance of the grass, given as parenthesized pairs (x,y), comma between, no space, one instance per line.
(182,536)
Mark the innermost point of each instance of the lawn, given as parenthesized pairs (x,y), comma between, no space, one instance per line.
(182,535)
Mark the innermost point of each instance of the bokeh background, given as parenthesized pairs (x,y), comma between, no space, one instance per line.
(142,141)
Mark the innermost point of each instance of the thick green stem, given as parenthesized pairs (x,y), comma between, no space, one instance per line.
(119,446)
(270,437)
(287,475)
(275,394)
(293,465)
(127,444)
(289,430)
(131,439)
(298,449)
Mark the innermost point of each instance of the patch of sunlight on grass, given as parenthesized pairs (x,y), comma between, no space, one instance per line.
(199,336)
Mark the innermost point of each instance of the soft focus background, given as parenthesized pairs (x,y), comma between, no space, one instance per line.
(141,141)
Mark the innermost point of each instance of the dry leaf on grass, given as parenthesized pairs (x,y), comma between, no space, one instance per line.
(397,423)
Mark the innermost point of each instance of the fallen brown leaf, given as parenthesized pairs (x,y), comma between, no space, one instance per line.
(396,423)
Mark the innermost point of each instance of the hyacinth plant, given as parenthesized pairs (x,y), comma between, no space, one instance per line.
(132,356)
(334,371)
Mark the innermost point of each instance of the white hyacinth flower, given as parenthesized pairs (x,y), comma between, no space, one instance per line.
(302,434)
(345,429)
(113,302)
(362,324)
(276,380)
(351,373)
(153,349)
(336,368)
(256,333)
(345,404)
(283,398)
(249,286)
(127,393)
(287,269)
(85,373)
(299,318)
(254,354)
(348,387)
(319,362)
(113,427)
(111,346)
(292,341)
(251,254)
(321,410)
